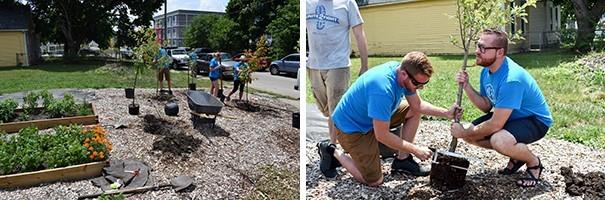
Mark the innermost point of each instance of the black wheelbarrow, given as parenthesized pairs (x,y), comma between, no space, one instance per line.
(203,103)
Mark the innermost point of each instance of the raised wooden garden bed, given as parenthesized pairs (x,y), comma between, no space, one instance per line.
(75,172)
(12,127)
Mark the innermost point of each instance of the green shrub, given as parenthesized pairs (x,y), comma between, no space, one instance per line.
(7,110)
(65,107)
(30,102)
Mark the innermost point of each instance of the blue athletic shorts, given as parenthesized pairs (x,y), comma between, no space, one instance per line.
(525,130)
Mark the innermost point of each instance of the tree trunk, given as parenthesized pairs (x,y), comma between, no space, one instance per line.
(587,19)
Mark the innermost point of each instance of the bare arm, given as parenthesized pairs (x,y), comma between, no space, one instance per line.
(479,101)
(486,128)
(381,132)
(362,45)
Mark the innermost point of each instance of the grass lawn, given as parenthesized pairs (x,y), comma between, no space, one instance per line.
(578,114)
(88,74)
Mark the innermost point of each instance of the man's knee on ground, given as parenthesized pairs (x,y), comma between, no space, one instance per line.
(375,183)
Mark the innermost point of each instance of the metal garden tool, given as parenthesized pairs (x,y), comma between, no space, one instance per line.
(448,169)
(178,183)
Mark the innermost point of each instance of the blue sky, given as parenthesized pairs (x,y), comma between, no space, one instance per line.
(205,5)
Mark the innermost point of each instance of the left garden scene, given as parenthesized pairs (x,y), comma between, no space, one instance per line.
(152,99)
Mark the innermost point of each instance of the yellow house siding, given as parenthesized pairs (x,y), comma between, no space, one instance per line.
(11,43)
(398,28)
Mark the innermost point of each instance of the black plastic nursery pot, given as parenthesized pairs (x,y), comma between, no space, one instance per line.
(448,170)
(192,86)
(171,108)
(129,93)
(296,120)
(133,109)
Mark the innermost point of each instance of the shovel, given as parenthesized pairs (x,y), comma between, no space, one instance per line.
(178,183)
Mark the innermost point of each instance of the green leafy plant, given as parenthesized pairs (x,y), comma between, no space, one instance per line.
(68,145)
(47,98)
(112,197)
(7,110)
(65,107)
(30,102)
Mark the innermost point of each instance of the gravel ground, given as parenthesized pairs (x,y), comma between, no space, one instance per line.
(225,162)
(482,181)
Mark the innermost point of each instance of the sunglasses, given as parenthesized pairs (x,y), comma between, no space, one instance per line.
(414,81)
(482,47)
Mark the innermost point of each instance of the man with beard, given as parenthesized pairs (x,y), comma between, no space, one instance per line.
(516,111)
(366,111)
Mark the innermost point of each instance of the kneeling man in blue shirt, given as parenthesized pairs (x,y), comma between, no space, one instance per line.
(369,108)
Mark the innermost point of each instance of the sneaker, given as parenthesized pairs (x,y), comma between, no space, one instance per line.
(409,166)
(327,159)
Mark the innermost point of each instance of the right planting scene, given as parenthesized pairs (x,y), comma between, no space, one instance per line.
(455,99)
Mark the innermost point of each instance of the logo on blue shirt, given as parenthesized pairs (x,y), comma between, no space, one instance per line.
(321,17)
(491,94)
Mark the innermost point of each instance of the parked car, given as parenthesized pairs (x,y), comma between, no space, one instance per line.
(179,57)
(203,63)
(88,52)
(126,53)
(202,50)
(289,64)
(264,65)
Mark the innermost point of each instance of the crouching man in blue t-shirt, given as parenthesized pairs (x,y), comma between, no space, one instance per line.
(520,114)
(366,111)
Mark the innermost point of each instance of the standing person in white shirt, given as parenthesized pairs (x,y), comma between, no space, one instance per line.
(328,25)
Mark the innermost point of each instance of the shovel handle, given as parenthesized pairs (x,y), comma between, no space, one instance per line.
(124,191)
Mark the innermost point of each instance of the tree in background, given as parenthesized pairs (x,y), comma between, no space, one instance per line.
(77,22)
(252,18)
(222,36)
(472,17)
(196,34)
(214,31)
(587,14)
(254,61)
(284,29)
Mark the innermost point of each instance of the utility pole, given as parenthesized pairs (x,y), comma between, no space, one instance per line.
(164,41)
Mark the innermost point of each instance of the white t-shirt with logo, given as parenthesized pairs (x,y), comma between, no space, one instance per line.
(328,25)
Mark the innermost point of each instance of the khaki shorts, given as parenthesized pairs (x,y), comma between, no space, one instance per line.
(363,147)
(328,87)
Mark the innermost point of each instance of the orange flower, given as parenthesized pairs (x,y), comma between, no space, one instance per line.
(91,157)
(94,153)
(101,156)
(86,145)
(87,140)
(91,148)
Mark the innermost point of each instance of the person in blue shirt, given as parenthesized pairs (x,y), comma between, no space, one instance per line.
(516,111)
(215,73)
(237,82)
(164,69)
(371,106)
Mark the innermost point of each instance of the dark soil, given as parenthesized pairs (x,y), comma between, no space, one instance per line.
(591,184)
(175,140)
(445,177)
(246,106)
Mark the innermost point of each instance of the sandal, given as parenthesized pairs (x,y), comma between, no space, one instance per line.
(531,180)
(517,164)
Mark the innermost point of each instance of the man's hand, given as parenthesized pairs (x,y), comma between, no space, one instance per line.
(455,112)
(362,70)
(458,131)
(462,77)
(422,153)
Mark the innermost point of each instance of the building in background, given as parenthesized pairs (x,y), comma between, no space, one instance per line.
(395,27)
(20,46)
(177,21)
